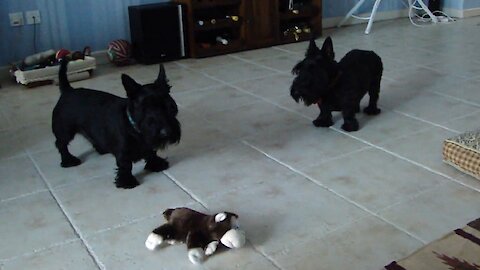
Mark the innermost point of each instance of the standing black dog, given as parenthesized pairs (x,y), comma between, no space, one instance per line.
(337,86)
(131,128)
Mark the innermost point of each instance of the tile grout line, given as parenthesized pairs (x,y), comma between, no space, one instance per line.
(456,98)
(257,64)
(23,195)
(254,95)
(425,121)
(359,139)
(76,230)
(130,222)
(314,181)
(267,257)
(413,197)
(185,189)
(59,244)
(288,51)
(223,82)
(195,198)
(409,160)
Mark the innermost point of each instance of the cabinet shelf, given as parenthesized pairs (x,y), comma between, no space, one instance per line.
(220,23)
(202,4)
(304,12)
(291,38)
(233,46)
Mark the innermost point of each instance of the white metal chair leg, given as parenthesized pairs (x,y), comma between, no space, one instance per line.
(425,8)
(372,16)
(351,12)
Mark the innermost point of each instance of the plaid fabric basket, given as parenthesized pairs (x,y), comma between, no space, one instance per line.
(463,152)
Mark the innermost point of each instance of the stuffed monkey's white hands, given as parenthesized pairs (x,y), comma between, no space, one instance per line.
(196,255)
(211,248)
(153,241)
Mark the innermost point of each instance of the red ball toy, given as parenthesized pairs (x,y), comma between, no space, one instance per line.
(61,54)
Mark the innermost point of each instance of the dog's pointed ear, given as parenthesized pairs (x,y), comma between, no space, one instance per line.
(162,77)
(327,49)
(312,48)
(130,85)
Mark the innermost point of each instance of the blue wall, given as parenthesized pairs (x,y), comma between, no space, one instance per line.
(467,4)
(73,24)
(455,4)
(337,8)
(70,24)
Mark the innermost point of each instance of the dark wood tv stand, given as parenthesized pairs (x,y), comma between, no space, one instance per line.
(223,26)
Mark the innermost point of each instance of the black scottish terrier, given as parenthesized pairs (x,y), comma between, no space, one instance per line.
(131,128)
(337,86)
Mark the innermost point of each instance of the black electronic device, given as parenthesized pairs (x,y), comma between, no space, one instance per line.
(157,32)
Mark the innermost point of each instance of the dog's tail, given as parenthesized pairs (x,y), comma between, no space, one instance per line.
(62,77)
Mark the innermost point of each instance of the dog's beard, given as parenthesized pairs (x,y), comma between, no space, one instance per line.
(158,141)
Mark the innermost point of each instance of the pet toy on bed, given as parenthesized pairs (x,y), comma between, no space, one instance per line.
(202,233)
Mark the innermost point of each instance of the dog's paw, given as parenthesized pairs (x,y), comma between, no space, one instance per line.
(350,126)
(196,255)
(70,162)
(126,182)
(211,248)
(156,164)
(371,110)
(323,122)
(153,241)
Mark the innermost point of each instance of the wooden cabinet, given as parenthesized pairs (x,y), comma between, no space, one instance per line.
(223,26)
(261,23)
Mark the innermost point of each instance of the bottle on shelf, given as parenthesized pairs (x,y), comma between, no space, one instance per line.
(222,40)
(232,17)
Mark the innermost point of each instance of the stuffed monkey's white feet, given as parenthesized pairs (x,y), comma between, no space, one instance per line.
(196,255)
(211,248)
(153,241)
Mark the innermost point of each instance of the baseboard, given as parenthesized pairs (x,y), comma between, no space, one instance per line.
(101,57)
(380,16)
(457,13)
(472,12)
(462,13)
(4,74)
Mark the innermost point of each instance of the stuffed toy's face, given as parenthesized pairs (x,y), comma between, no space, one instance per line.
(226,229)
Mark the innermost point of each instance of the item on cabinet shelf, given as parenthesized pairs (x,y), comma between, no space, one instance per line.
(222,40)
(200,22)
(205,45)
(296,31)
(289,5)
(233,18)
(213,21)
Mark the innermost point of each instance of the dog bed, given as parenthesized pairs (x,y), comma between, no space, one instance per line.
(47,75)
(463,152)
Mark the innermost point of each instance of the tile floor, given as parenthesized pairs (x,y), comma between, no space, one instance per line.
(308,198)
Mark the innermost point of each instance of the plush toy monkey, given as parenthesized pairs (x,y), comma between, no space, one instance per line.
(202,233)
